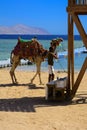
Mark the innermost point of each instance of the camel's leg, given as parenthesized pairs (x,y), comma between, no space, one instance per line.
(34,77)
(38,66)
(12,74)
(39,74)
(13,77)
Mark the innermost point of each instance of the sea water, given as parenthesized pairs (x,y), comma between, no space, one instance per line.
(7,44)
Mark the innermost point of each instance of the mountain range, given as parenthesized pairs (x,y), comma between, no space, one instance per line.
(22,29)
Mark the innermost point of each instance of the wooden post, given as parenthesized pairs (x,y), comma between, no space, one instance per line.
(73,11)
(70,56)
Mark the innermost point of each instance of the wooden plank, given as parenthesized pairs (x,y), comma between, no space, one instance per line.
(70,55)
(68,88)
(78,9)
(80,29)
(79,78)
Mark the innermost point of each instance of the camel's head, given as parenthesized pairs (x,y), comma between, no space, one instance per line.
(55,42)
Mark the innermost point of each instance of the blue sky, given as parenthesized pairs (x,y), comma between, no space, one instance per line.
(47,14)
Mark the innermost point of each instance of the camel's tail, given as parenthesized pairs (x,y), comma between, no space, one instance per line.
(11,57)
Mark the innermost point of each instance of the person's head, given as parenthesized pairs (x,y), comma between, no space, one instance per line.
(51,49)
(53,45)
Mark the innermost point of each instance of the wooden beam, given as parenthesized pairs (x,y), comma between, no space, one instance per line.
(68,88)
(78,9)
(69,47)
(80,28)
(72,52)
(79,78)
(70,55)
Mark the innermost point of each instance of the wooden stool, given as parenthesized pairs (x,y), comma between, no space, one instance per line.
(56,89)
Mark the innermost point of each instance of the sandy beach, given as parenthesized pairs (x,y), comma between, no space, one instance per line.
(25,108)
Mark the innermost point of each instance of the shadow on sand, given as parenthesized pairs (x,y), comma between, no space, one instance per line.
(30,86)
(28,104)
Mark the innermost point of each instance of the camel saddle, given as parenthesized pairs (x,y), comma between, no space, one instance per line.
(25,49)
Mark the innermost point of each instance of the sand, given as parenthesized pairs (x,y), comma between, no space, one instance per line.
(24,108)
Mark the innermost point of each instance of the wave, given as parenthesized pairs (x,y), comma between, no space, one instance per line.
(64,54)
(6,63)
(76,51)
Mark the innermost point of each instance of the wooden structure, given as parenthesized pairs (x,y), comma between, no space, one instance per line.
(74,9)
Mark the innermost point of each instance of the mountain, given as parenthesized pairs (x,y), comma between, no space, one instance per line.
(22,29)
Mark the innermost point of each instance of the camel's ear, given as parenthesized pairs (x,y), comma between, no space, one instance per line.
(59,39)
(19,39)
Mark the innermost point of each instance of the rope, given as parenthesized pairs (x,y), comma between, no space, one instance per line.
(61,66)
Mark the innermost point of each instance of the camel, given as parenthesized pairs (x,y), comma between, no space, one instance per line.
(31,50)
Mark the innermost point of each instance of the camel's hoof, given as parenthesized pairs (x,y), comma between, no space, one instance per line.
(15,83)
(31,82)
(41,83)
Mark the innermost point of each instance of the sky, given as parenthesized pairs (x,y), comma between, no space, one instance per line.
(50,15)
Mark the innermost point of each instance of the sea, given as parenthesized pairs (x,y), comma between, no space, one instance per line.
(8,42)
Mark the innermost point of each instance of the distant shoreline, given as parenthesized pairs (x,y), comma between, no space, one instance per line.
(39,36)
